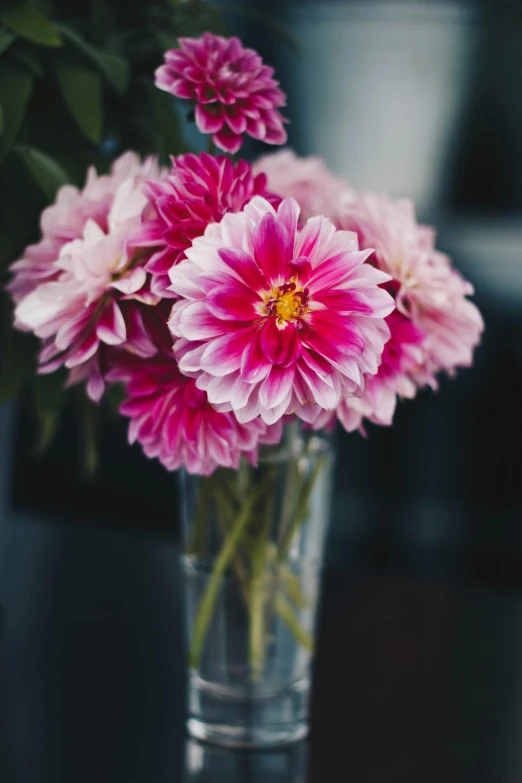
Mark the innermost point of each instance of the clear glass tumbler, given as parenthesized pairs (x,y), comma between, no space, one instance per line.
(252,565)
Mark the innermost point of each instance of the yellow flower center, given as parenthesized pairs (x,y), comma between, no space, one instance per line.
(287,303)
(288,306)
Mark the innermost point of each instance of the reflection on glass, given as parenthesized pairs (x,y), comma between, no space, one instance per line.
(207,764)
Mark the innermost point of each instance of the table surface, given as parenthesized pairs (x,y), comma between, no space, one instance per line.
(416,678)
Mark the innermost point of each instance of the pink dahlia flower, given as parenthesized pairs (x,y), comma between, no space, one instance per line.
(199,190)
(95,296)
(233,90)
(272,318)
(65,220)
(434,328)
(308,180)
(172,419)
(401,356)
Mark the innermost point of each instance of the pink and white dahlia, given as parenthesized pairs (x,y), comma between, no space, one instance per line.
(96,296)
(198,190)
(233,90)
(451,323)
(308,180)
(272,318)
(401,356)
(65,220)
(434,328)
(174,422)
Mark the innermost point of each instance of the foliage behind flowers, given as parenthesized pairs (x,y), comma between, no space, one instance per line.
(227,299)
(76,90)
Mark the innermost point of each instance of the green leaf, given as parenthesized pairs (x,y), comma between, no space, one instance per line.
(6,39)
(164,122)
(15,90)
(18,362)
(89,435)
(12,239)
(166,40)
(81,89)
(267,21)
(32,24)
(193,19)
(30,60)
(1,120)
(114,67)
(46,172)
(49,393)
(113,398)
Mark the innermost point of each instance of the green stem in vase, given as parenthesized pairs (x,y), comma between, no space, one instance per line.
(287,614)
(295,513)
(257,625)
(199,533)
(292,586)
(301,512)
(291,483)
(223,513)
(259,563)
(225,556)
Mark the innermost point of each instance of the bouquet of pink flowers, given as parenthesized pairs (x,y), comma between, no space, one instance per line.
(229,299)
(226,296)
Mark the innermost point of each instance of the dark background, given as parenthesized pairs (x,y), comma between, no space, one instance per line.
(419,667)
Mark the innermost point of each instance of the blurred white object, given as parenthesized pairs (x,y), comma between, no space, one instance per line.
(381,89)
(489,252)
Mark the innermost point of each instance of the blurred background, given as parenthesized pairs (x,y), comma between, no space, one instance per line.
(419,667)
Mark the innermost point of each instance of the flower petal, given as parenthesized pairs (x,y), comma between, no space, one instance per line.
(209,117)
(340,332)
(254,364)
(198,323)
(323,392)
(227,140)
(110,328)
(288,215)
(233,302)
(273,247)
(276,387)
(131,282)
(280,346)
(223,355)
(84,352)
(244,267)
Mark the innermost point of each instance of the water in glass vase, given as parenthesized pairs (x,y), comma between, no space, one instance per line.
(252,566)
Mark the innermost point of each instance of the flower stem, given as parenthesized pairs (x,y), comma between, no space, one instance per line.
(237,561)
(291,482)
(260,554)
(210,596)
(197,539)
(287,614)
(257,626)
(301,511)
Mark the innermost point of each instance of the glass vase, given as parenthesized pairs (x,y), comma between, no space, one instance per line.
(252,568)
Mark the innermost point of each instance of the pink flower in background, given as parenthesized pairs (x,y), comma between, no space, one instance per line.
(272,318)
(226,297)
(308,180)
(65,220)
(451,323)
(435,326)
(199,190)
(401,356)
(96,296)
(172,419)
(233,90)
